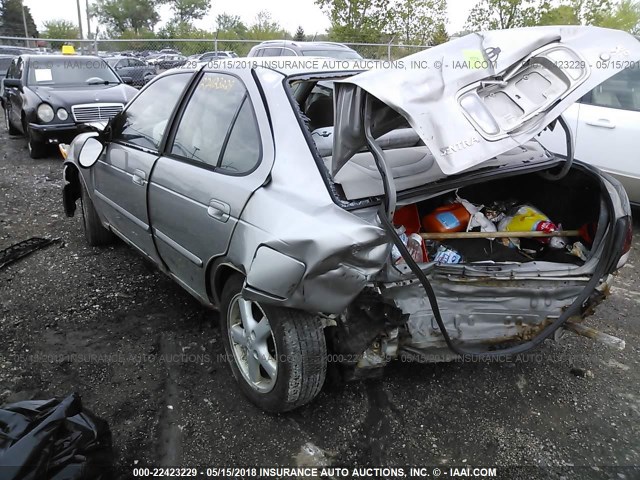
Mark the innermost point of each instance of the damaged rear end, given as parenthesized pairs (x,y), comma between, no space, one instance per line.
(451,138)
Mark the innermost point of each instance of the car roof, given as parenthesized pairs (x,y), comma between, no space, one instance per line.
(306,45)
(43,58)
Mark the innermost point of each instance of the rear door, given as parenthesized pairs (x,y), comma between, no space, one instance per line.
(608,129)
(219,152)
(121,176)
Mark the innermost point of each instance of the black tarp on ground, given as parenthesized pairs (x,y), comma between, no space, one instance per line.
(53,439)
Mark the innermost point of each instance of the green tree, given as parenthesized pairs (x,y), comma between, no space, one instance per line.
(625,16)
(230,26)
(560,15)
(621,15)
(299,36)
(60,29)
(357,20)
(415,21)
(186,11)
(500,14)
(11,24)
(265,28)
(127,15)
(440,35)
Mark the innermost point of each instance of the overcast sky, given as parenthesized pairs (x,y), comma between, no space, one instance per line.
(288,13)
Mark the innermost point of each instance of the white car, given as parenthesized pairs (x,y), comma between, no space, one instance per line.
(606,129)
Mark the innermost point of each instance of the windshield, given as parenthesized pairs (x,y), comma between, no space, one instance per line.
(339,54)
(112,61)
(70,71)
(4,65)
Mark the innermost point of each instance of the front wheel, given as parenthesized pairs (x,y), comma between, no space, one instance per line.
(36,149)
(10,128)
(94,231)
(277,355)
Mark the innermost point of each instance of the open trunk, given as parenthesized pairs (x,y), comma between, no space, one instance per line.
(571,204)
(499,296)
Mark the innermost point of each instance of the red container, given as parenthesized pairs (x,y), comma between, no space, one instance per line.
(448,218)
(409,217)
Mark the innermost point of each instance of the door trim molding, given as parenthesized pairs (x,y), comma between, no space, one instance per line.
(122,211)
(178,248)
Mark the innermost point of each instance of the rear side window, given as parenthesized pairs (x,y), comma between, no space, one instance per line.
(622,91)
(243,148)
(272,52)
(218,127)
(146,119)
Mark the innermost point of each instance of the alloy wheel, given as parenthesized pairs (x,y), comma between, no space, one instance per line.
(252,343)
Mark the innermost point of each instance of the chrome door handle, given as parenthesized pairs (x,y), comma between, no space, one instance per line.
(602,123)
(139,177)
(218,210)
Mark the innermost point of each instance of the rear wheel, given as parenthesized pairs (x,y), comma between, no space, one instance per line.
(277,355)
(10,128)
(94,231)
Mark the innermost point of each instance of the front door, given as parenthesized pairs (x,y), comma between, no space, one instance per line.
(219,153)
(121,176)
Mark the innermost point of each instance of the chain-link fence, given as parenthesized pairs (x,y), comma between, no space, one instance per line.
(144,48)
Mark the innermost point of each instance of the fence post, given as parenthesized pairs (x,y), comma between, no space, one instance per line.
(215,42)
(389,48)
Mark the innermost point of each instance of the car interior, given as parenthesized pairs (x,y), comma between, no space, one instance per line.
(621,91)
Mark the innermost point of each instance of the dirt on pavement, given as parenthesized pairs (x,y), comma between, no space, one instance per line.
(148,358)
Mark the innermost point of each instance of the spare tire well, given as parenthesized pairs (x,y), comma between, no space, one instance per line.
(71,190)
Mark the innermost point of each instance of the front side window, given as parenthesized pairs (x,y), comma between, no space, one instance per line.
(144,122)
(11,72)
(218,127)
(5,62)
(621,91)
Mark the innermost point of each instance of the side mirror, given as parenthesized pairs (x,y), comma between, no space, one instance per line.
(127,80)
(13,83)
(90,152)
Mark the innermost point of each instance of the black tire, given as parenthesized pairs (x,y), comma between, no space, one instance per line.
(300,347)
(36,149)
(94,231)
(10,128)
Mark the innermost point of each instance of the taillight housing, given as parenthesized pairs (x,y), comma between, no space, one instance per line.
(624,239)
(628,238)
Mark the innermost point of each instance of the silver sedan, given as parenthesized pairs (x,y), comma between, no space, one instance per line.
(298,200)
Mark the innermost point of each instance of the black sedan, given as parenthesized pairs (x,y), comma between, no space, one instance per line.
(138,70)
(47,97)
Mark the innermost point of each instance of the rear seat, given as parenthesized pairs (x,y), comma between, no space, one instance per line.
(409,161)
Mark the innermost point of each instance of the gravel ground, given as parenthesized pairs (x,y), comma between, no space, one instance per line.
(100,322)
